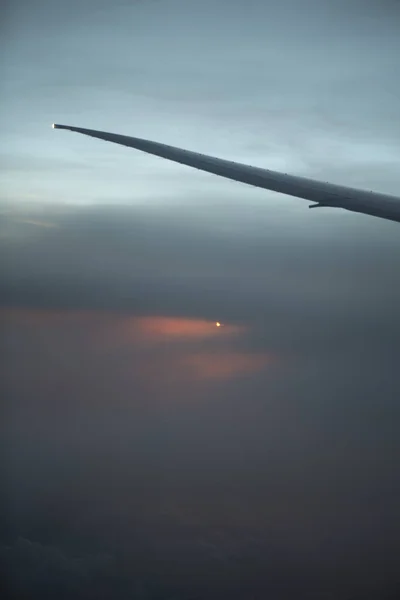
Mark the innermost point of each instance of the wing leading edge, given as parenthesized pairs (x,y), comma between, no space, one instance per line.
(319,192)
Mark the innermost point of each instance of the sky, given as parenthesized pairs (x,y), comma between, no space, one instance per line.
(148,452)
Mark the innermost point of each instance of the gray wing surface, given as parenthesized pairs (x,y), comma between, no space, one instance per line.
(319,192)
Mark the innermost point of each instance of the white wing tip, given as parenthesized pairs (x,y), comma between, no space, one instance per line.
(58,126)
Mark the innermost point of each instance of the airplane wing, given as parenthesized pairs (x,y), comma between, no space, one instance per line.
(319,192)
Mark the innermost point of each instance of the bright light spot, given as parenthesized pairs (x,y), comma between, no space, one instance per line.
(53,125)
(218,324)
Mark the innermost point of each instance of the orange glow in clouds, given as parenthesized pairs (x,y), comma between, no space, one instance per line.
(184,328)
(224,365)
(154,351)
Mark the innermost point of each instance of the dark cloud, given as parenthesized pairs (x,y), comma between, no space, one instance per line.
(214,260)
(146,451)
(260,455)
(31,570)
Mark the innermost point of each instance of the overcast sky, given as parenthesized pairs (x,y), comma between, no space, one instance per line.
(310,87)
(150,453)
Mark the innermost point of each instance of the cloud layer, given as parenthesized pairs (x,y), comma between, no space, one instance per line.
(147,452)
(137,427)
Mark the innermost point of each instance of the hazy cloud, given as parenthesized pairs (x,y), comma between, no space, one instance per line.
(148,451)
(32,570)
(125,402)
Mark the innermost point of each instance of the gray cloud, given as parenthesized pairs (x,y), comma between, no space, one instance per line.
(315,424)
(203,258)
(32,570)
(262,454)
